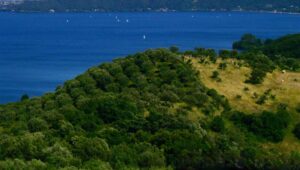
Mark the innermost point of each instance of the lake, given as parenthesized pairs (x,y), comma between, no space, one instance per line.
(39,51)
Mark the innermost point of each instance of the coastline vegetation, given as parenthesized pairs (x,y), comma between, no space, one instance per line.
(160,110)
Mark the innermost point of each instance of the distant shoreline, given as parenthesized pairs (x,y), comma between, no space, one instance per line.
(150,11)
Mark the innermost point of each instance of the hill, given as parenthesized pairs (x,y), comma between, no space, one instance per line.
(286,46)
(152,5)
(159,110)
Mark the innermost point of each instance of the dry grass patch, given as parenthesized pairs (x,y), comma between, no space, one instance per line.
(285,87)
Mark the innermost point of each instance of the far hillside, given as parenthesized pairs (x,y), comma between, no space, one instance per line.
(154,5)
(287,46)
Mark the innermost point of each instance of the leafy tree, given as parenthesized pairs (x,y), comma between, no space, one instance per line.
(217,124)
(247,42)
(81,147)
(215,75)
(24,97)
(174,49)
(59,155)
(111,108)
(296,130)
(257,76)
(37,124)
(97,165)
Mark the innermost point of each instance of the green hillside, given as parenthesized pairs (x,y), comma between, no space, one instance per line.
(157,110)
(286,46)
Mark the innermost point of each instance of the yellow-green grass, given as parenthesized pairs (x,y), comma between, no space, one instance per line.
(285,86)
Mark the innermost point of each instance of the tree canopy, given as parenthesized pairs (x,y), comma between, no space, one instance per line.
(137,113)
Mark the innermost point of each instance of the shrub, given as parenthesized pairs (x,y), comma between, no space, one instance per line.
(215,75)
(222,66)
(37,124)
(90,148)
(298,108)
(58,155)
(257,76)
(111,108)
(262,99)
(238,97)
(97,165)
(217,124)
(270,126)
(246,89)
(296,130)
(247,42)
(24,97)
(174,49)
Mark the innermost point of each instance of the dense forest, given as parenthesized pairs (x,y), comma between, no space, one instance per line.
(151,110)
(146,5)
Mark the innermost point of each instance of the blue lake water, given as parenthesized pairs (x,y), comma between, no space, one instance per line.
(39,51)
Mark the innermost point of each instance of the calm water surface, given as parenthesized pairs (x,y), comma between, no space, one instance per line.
(39,51)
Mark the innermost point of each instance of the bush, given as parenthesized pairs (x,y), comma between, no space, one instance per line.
(24,97)
(90,148)
(97,165)
(217,124)
(174,49)
(298,108)
(111,108)
(215,75)
(246,89)
(257,76)
(247,42)
(222,66)
(59,155)
(238,97)
(37,124)
(296,130)
(270,126)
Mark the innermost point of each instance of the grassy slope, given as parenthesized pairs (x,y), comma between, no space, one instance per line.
(285,86)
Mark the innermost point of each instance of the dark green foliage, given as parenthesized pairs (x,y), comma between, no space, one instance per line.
(24,97)
(287,63)
(133,113)
(298,108)
(111,109)
(270,126)
(222,66)
(262,99)
(260,65)
(296,130)
(246,89)
(257,76)
(202,52)
(217,124)
(228,54)
(215,74)
(90,120)
(174,49)
(37,124)
(238,97)
(284,51)
(90,148)
(287,46)
(248,42)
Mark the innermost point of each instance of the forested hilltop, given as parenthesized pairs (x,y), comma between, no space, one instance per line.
(161,110)
(153,5)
